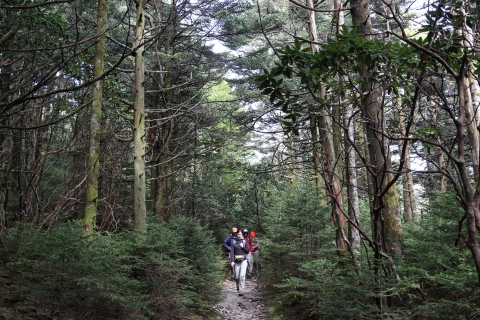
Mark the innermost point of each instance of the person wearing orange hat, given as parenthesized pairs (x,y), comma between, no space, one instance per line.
(254,250)
(226,246)
(228,238)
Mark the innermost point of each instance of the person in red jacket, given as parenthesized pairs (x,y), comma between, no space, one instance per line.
(255,248)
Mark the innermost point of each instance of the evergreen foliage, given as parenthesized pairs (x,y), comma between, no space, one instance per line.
(48,274)
(207,169)
(433,280)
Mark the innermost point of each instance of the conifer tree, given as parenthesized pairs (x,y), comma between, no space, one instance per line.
(93,166)
(139,184)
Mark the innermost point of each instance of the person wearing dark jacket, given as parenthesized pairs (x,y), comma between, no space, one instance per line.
(238,259)
(226,248)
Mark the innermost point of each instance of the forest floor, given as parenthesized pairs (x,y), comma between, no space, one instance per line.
(249,306)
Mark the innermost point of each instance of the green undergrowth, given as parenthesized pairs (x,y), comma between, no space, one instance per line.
(304,278)
(54,274)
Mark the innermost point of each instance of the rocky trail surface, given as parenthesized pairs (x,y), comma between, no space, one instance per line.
(249,306)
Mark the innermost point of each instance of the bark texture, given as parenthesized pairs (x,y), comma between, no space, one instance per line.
(409,205)
(331,172)
(91,198)
(386,223)
(139,191)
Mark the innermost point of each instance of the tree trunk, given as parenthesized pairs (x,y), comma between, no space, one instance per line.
(91,197)
(350,155)
(331,172)
(164,185)
(385,213)
(407,179)
(8,34)
(352,186)
(162,172)
(464,31)
(471,200)
(291,159)
(473,86)
(475,92)
(153,128)
(139,191)
(316,161)
(79,156)
(472,130)
(172,199)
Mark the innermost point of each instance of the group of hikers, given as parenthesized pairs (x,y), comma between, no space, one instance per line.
(242,253)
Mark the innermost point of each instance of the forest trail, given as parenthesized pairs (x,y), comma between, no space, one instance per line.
(251,306)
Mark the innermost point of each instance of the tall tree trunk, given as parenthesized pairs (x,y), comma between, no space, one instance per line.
(139,191)
(352,185)
(475,92)
(466,101)
(291,159)
(473,79)
(471,197)
(332,178)
(153,131)
(91,197)
(163,183)
(162,197)
(350,155)
(157,131)
(385,213)
(316,158)
(470,115)
(441,156)
(4,182)
(474,86)
(79,157)
(161,203)
(472,130)
(172,199)
(407,179)
(193,197)
(8,32)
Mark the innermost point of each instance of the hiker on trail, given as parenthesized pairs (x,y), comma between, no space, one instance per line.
(254,251)
(227,240)
(247,238)
(238,259)
(226,247)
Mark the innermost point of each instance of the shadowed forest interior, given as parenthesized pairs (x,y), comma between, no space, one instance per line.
(134,134)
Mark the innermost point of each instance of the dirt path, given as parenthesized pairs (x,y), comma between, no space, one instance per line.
(251,306)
